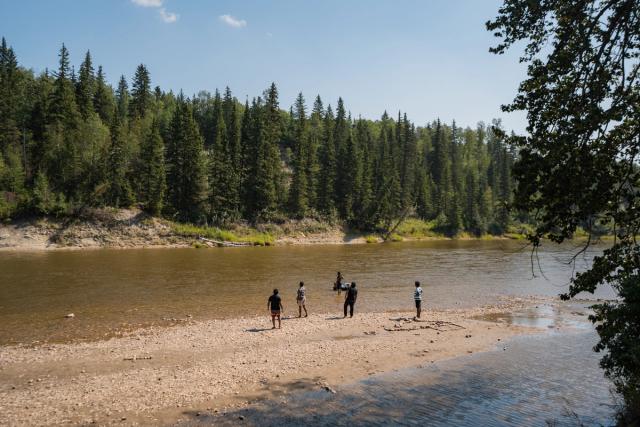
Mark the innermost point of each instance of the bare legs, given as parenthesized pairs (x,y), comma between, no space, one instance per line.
(300,307)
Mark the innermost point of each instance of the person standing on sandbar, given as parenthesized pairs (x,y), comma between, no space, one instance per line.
(350,300)
(417,296)
(301,299)
(275,305)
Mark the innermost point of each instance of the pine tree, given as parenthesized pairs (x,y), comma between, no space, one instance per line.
(141,97)
(152,173)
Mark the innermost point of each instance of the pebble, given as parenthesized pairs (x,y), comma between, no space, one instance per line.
(70,316)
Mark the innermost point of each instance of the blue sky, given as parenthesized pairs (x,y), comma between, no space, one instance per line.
(426,57)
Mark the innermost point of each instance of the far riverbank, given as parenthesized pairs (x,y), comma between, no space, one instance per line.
(131,228)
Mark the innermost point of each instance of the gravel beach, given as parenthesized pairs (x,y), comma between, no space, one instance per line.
(155,376)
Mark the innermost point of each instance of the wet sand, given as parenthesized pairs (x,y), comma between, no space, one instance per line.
(218,365)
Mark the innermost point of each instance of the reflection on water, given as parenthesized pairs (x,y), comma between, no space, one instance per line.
(550,316)
(113,289)
(552,379)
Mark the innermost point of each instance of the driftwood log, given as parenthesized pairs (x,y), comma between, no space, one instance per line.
(221,243)
(438,325)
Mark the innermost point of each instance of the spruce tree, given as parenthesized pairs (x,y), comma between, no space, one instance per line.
(63,147)
(408,163)
(10,100)
(298,197)
(122,99)
(119,193)
(442,174)
(387,180)
(86,87)
(341,134)
(152,173)
(454,208)
(268,176)
(247,159)
(328,167)
(186,168)
(315,142)
(223,197)
(141,97)
(103,98)
(63,109)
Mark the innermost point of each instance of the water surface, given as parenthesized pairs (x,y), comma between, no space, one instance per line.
(552,380)
(110,289)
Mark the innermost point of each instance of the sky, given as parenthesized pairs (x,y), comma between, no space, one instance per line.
(428,58)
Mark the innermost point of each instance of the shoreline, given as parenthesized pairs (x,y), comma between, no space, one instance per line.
(132,229)
(154,375)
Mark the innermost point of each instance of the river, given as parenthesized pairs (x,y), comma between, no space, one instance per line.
(111,290)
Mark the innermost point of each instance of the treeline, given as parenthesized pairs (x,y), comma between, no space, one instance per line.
(69,140)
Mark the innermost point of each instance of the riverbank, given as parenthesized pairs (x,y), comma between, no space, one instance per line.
(156,375)
(131,228)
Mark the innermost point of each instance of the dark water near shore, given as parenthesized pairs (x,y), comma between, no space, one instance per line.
(551,380)
(111,290)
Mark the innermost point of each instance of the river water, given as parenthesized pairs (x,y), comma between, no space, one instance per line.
(114,290)
(548,380)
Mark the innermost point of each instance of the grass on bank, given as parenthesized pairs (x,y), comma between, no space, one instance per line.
(246,235)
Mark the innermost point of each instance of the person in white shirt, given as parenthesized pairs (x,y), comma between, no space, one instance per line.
(301,299)
(417,296)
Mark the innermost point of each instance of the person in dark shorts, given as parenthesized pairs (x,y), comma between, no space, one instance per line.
(350,299)
(301,299)
(417,297)
(275,305)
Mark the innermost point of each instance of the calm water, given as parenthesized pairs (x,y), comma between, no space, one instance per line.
(549,380)
(109,290)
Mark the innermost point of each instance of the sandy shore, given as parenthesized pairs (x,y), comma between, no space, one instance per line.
(219,364)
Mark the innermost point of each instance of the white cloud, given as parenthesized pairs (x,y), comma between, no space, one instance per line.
(168,17)
(233,22)
(148,3)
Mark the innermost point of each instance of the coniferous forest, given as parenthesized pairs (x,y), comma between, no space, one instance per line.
(70,140)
